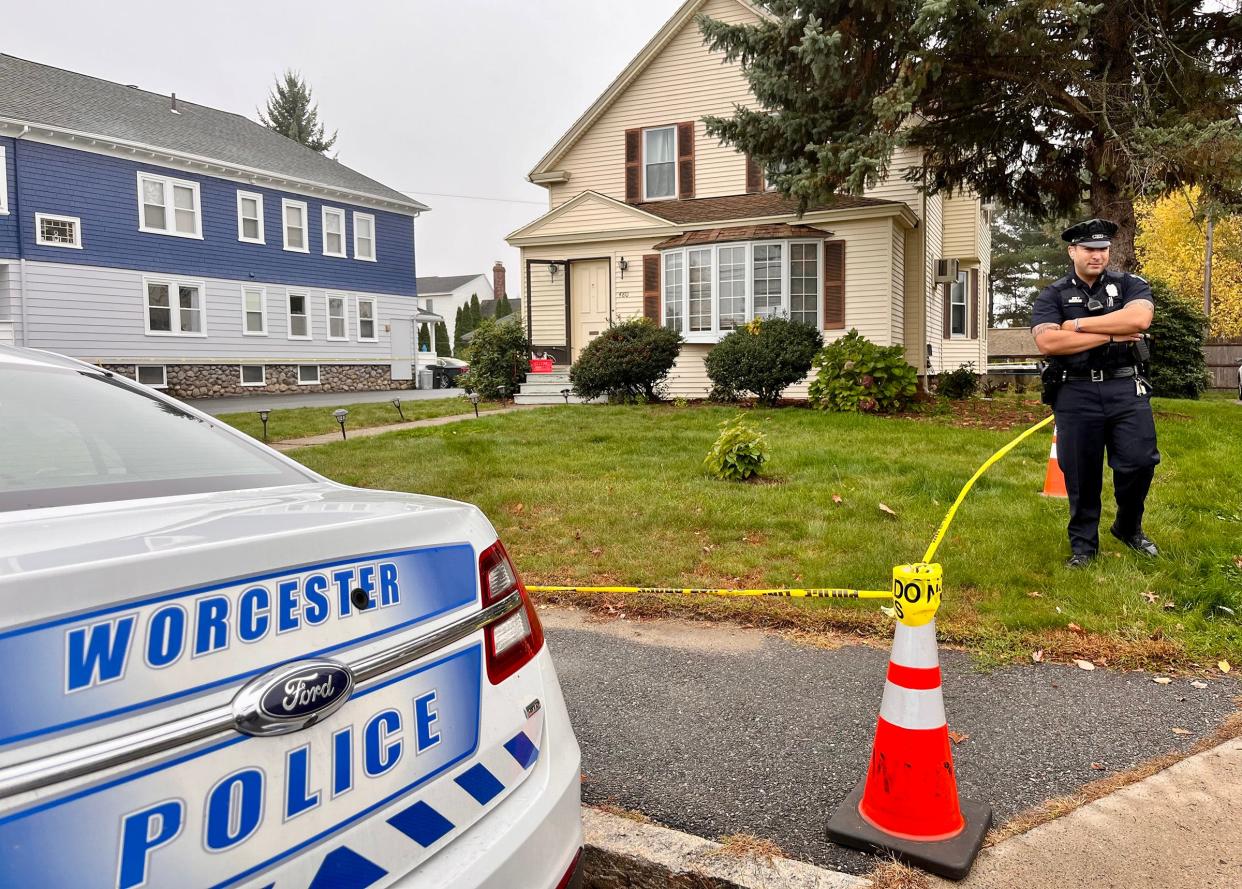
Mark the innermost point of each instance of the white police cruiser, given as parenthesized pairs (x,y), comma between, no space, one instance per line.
(221,669)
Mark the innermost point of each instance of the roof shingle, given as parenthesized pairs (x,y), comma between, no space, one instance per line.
(41,94)
(430,286)
(748,206)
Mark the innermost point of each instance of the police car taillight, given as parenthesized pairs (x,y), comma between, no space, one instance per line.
(517,638)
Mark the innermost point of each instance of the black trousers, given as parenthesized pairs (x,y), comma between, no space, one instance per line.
(1093,418)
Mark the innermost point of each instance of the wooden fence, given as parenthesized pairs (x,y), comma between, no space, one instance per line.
(1223,356)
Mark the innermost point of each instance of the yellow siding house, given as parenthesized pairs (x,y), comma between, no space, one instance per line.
(648,215)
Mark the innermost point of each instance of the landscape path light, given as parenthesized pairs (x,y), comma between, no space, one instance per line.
(340,413)
(474,399)
(565,395)
(263,417)
(396,402)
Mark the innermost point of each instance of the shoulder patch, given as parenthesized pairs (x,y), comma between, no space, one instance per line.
(1138,277)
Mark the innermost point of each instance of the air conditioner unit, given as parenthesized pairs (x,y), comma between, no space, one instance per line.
(946,271)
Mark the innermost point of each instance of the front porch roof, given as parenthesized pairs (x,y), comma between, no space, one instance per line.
(750,206)
(774,232)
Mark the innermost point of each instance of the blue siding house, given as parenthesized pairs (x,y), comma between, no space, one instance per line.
(194,249)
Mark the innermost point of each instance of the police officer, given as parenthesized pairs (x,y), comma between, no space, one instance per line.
(1090,325)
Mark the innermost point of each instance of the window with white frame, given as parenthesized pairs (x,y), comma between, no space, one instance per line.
(709,291)
(253,375)
(674,271)
(250,217)
(174,308)
(299,316)
(366,319)
(308,374)
(957,305)
(254,311)
(659,163)
(333,231)
(338,328)
(4,183)
(169,206)
(58,231)
(294,215)
(153,375)
(364,236)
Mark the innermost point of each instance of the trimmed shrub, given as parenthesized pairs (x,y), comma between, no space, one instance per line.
(960,384)
(1178,368)
(854,374)
(763,357)
(739,452)
(627,362)
(498,356)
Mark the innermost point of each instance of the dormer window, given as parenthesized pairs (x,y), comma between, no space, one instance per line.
(659,163)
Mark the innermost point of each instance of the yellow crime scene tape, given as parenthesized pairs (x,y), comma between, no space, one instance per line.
(916,590)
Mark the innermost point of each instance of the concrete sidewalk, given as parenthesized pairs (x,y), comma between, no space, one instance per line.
(1178,829)
(290,444)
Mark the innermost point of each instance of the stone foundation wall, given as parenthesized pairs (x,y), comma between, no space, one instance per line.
(215,380)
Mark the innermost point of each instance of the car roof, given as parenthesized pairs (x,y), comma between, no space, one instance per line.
(14,355)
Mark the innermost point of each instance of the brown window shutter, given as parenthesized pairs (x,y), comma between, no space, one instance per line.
(685,160)
(834,285)
(633,166)
(651,287)
(973,307)
(948,311)
(754,176)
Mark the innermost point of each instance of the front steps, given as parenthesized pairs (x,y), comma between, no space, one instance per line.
(548,389)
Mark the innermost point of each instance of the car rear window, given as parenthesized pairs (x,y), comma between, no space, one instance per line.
(71,437)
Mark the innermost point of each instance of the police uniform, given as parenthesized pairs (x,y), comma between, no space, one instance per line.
(1103,404)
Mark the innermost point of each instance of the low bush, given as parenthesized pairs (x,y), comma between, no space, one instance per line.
(498,355)
(1177,368)
(627,362)
(739,452)
(959,384)
(763,357)
(854,374)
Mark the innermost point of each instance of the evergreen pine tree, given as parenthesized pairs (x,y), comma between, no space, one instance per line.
(459,330)
(1027,256)
(291,112)
(443,347)
(1025,102)
(424,338)
(476,311)
(503,307)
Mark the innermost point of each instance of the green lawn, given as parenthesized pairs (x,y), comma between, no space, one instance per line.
(603,494)
(300,422)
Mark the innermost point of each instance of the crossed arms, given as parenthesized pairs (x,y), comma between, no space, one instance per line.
(1122,326)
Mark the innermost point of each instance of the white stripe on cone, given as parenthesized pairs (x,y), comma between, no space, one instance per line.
(915,646)
(913,708)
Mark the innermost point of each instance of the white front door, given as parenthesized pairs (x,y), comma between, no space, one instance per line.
(588,301)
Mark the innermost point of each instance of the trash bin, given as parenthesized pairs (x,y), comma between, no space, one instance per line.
(438,380)
(424,378)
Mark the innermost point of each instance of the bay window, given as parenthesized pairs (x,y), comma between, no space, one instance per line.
(710,290)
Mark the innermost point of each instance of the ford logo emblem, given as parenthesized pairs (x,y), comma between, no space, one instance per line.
(292,697)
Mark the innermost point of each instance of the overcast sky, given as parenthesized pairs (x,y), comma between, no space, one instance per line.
(431,97)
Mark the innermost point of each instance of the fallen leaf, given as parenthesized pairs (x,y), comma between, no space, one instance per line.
(1058,609)
(1224,666)
(1180,731)
(836,498)
(1085,665)
(1150,597)
(1098,766)
(1038,656)
(1198,684)
(1237,561)
(597,551)
(1035,594)
(1169,606)
(957,737)
(1162,680)
(517,508)
(886,509)
(1074,628)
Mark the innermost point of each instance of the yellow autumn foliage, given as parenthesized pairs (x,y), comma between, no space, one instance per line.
(1170,246)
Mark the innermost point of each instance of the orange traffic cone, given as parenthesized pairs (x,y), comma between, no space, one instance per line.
(907,803)
(1054,479)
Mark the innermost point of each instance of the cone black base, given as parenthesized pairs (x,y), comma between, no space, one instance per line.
(950,858)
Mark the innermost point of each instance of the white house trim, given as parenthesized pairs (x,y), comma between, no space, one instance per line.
(339,214)
(241,233)
(170,184)
(75,244)
(285,206)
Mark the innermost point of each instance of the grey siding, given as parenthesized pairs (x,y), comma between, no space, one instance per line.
(96,314)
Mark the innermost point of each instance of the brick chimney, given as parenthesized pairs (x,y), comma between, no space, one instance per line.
(498,279)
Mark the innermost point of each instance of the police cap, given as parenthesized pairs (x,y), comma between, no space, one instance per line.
(1091,233)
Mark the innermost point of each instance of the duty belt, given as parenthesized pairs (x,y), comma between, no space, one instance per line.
(1099,376)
